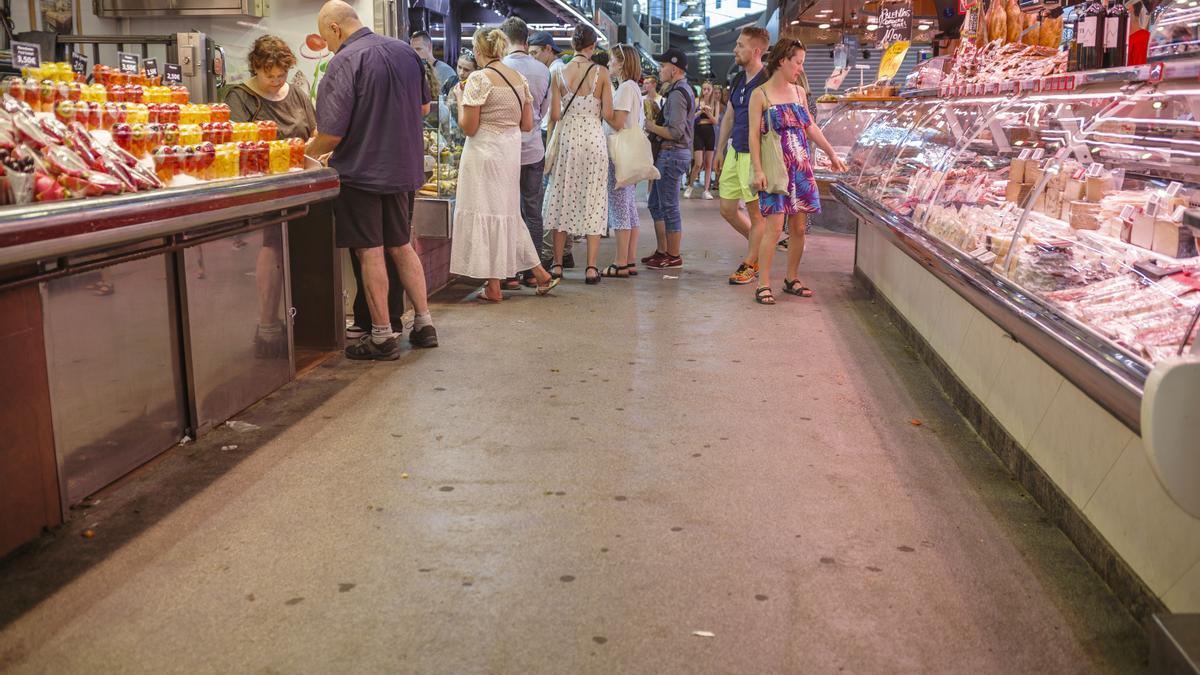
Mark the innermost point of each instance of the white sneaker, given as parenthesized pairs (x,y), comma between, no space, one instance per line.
(707,194)
(687,192)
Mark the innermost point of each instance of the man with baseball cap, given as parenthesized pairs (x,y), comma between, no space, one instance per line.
(674,126)
(542,48)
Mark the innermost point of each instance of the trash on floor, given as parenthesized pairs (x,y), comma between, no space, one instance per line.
(242,426)
(703,633)
(915,422)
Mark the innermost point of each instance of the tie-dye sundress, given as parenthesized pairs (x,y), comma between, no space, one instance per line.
(790,120)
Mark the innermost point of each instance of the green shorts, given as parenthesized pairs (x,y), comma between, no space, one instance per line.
(736,174)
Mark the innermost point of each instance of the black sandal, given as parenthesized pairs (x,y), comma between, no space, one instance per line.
(763,296)
(510,284)
(793,287)
(615,271)
(559,273)
(632,267)
(591,281)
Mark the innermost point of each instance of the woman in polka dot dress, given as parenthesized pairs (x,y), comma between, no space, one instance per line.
(576,202)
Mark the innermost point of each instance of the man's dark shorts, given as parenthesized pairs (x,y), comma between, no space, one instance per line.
(370,219)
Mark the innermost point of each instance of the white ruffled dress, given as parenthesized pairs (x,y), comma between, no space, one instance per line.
(491,240)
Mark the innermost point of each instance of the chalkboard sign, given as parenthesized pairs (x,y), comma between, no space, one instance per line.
(172,74)
(26,55)
(128,63)
(895,22)
(79,63)
(151,67)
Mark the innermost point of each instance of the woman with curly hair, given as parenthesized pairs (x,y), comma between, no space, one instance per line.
(267,94)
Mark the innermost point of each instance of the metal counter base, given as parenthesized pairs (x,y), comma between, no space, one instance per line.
(155,316)
(1086,466)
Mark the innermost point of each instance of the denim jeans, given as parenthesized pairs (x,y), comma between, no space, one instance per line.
(531,200)
(664,196)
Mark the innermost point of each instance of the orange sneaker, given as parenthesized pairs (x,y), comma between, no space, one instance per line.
(744,275)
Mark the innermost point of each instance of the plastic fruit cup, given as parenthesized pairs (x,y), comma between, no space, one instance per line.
(267,131)
(65,112)
(170,134)
(165,163)
(154,136)
(123,136)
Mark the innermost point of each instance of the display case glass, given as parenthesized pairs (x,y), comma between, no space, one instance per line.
(443,146)
(844,125)
(1078,198)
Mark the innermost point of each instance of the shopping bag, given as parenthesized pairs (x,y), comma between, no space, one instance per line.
(632,157)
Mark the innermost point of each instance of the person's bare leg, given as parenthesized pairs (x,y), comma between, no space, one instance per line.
(766,249)
(660,236)
(560,243)
(593,251)
(674,242)
(697,162)
(707,169)
(734,216)
(491,290)
(632,258)
(796,225)
(375,283)
(758,227)
(412,275)
(622,255)
(268,277)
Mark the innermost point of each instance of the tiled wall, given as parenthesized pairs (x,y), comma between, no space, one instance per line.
(1095,460)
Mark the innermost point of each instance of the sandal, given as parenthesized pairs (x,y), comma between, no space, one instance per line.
(632,267)
(483,296)
(763,296)
(510,284)
(528,280)
(591,281)
(559,273)
(615,271)
(793,287)
(545,290)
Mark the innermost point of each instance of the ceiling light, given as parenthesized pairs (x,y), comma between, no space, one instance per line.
(823,26)
(797,21)
(873,27)
(923,26)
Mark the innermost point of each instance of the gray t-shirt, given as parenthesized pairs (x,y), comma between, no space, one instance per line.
(294,115)
(679,104)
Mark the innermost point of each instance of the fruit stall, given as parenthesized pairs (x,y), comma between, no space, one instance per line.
(161,269)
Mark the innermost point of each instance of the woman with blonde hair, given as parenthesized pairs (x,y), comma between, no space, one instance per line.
(576,201)
(490,239)
(627,113)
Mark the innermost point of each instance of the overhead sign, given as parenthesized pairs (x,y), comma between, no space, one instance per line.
(26,55)
(895,22)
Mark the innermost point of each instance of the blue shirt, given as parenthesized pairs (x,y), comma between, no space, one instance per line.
(371,96)
(739,98)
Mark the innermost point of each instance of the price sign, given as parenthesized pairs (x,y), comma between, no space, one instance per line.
(79,63)
(172,74)
(128,63)
(151,67)
(1173,188)
(1127,212)
(895,22)
(26,55)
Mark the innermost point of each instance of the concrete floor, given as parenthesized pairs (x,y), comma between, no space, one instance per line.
(590,479)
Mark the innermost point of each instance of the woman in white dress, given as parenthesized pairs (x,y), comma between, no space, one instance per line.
(490,239)
(576,201)
(627,113)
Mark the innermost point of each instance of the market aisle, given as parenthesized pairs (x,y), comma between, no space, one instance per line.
(591,479)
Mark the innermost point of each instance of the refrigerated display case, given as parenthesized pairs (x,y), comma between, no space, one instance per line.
(1035,246)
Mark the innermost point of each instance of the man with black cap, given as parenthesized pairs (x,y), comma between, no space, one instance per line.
(674,127)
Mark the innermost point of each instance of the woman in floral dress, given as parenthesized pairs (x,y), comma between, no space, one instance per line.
(779,102)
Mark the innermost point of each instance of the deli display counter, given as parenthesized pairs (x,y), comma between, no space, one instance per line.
(1037,243)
